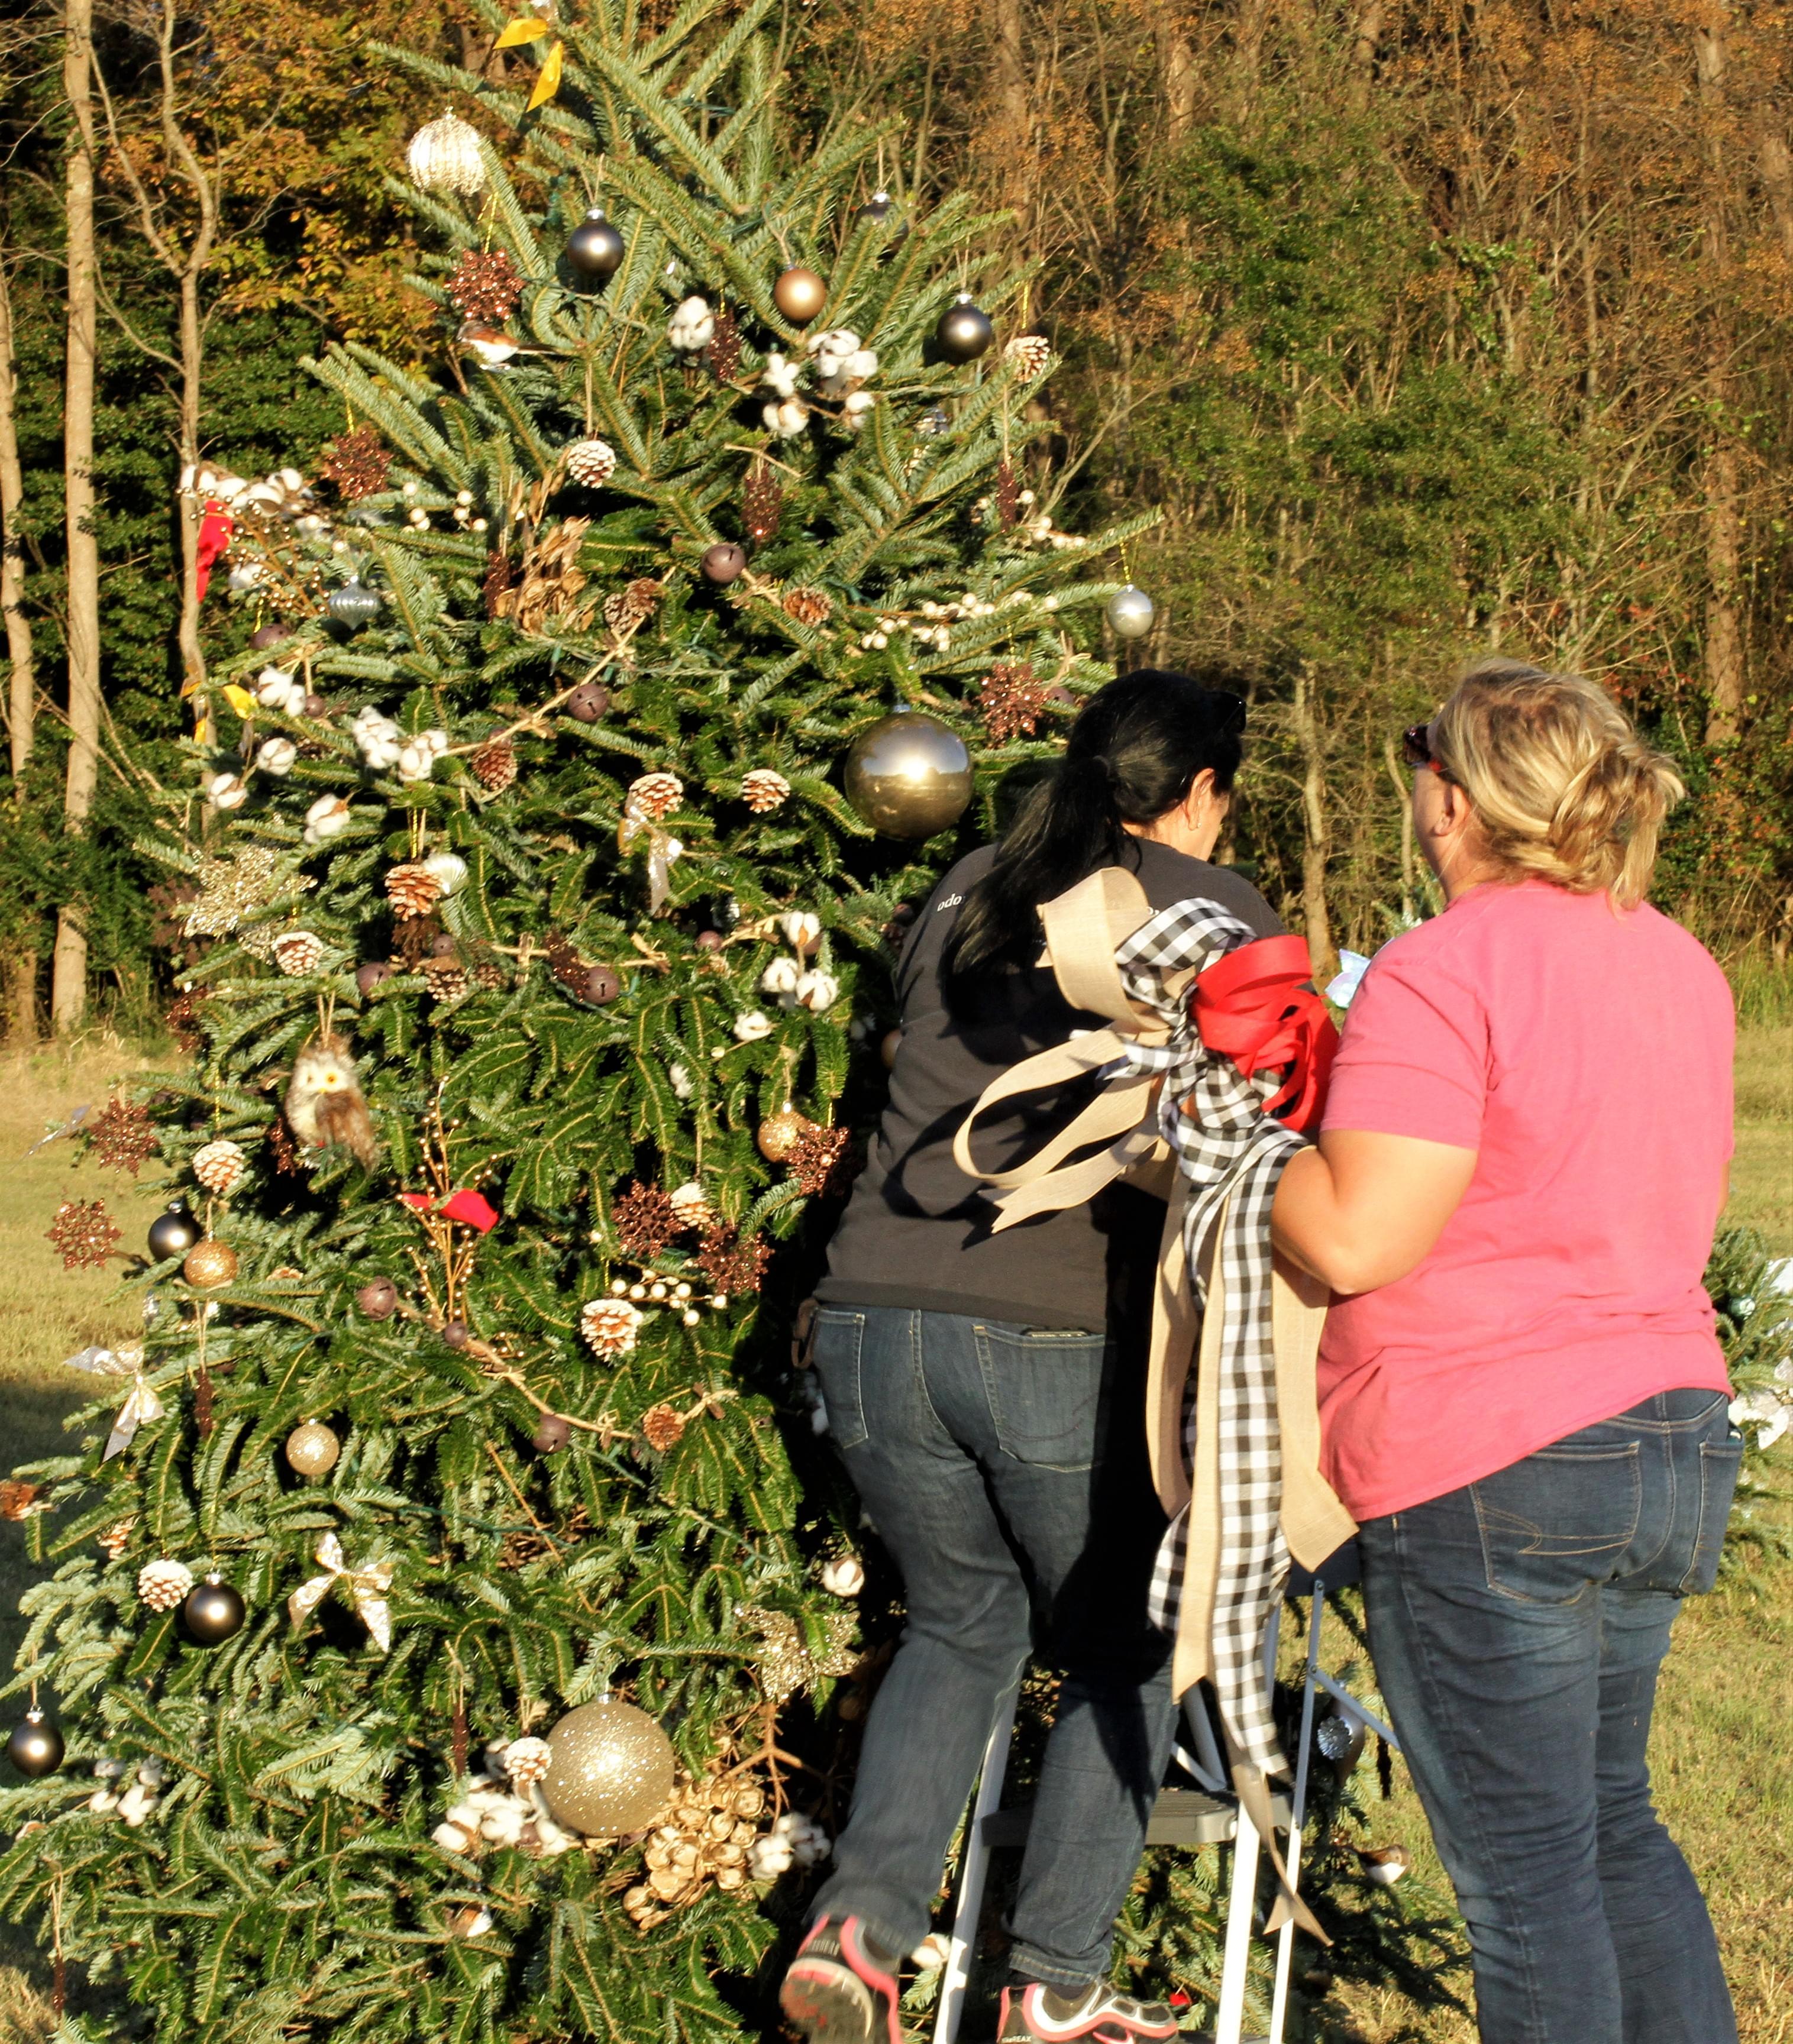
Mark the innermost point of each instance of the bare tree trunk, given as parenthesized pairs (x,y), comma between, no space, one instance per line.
(1014,128)
(68,992)
(1365,44)
(1250,21)
(1176,66)
(1314,828)
(1724,523)
(1777,178)
(21,712)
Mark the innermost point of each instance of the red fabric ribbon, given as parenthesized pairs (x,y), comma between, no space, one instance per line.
(1256,1007)
(471,1209)
(216,526)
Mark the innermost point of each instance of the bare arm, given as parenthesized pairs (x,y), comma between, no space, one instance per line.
(1363,1209)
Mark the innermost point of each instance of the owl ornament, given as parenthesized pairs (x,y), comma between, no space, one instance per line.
(325,1103)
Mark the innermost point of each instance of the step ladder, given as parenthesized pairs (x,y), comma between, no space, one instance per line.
(1207,1814)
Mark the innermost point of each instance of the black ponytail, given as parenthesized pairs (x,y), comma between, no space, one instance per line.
(1133,752)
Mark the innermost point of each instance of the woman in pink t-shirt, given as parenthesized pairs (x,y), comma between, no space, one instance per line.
(1524,1154)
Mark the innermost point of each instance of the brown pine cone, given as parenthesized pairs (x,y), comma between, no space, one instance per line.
(808,606)
(494,765)
(762,501)
(497,585)
(633,607)
(724,351)
(412,889)
(447,977)
(662,1427)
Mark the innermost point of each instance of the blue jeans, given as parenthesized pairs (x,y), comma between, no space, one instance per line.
(1005,1469)
(1518,1625)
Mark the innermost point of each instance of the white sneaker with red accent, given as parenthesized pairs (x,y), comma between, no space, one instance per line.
(1039,2014)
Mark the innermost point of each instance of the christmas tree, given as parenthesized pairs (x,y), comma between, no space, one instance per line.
(450,1608)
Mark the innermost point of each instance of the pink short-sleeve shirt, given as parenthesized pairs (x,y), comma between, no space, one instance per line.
(1586,1057)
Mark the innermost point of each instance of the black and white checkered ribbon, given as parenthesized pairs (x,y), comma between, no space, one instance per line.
(1232,1153)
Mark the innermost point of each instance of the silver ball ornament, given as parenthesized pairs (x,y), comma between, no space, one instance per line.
(1130,613)
(212,1612)
(594,248)
(964,332)
(36,1747)
(908,776)
(610,1769)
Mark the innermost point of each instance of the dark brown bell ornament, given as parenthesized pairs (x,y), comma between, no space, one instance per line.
(908,776)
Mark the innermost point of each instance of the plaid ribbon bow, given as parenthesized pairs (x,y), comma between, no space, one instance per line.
(1212,1117)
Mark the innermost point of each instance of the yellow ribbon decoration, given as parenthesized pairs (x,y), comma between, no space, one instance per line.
(366,1588)
(549,82)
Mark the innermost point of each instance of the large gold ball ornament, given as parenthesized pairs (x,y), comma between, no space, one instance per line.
(609,1769)
(799,294)
(209,1263)
(778,1134)
(908,776)
(313,1449)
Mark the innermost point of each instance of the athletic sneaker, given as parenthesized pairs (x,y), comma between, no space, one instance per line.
(841,1988)
(1038,2014)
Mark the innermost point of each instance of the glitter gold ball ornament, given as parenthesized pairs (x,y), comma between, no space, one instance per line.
(592,462)
(212,1612)
(1130,613)
(594,248)
(779,1133)
(445,157)
(723,562)
(610,1769)
(964,332)
(219,1166)
(908,776)
(210,1263)
(799,294)
(312,1450)
(36,1747)
(172,1233)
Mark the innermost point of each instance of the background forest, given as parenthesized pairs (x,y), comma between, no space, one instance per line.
(1426,327)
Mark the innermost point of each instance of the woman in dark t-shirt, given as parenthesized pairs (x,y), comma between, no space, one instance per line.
(987,1393)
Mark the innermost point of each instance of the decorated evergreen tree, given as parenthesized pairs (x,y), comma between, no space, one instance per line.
(440,1632)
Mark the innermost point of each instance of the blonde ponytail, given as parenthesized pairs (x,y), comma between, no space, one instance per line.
(1563,788)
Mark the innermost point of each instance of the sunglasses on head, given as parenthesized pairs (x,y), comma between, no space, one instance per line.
(1416,750)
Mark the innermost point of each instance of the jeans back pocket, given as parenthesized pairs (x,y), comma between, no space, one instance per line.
(1719,1461)
(1559,1519)
(1045,1389)
(839,1340)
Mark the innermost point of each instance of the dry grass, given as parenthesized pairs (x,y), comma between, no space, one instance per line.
(1724,1775)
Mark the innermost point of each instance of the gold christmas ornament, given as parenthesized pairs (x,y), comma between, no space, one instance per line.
(785,1663)
(313,1449)
(209,1264)
(610,1769)
(764,790)
(799,294)
(219,1166)
(779,1133)
(908,776)
(445,157)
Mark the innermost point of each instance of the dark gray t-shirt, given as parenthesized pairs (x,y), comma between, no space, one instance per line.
(916,1232)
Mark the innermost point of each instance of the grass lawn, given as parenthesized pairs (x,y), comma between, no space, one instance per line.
(1723,1770)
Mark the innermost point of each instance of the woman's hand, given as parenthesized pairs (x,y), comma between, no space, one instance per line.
(1363,1209)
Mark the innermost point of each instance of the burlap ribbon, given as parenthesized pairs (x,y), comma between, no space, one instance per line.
(1160,1075)
(365,1588)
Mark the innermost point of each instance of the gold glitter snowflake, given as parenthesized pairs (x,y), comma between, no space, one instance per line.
(231,887)
(785,1663)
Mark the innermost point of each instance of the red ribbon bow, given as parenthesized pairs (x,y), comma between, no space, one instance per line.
(471,1209)
(1256,1007)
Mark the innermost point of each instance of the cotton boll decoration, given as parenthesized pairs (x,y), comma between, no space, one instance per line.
(691,325)
(277,756)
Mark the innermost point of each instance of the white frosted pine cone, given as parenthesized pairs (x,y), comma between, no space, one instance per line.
(656,795)
(693,1210)
(277,756)
(764,790)
(817,991)
(751,1026)
(328,817)
(591,462)
(526,1761)
(226,791)
(218,1165)
(610,1326)
(298,952)
(163,1583)
(843,1576)
(1027,354)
